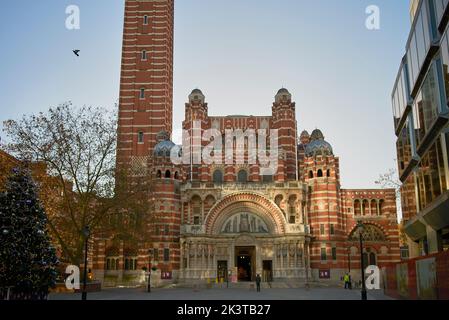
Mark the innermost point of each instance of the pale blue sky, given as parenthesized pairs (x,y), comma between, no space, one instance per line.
(239,52)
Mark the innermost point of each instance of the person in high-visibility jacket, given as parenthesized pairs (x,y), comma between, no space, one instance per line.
(347,280)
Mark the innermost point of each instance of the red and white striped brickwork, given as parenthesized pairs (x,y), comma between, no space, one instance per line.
(146,82)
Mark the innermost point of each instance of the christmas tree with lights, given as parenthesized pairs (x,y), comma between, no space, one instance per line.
(27,258)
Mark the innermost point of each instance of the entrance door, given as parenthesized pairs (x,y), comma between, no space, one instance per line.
(267,275)
(245,260)
(222,271)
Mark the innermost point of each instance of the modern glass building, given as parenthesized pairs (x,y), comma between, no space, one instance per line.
(421,116)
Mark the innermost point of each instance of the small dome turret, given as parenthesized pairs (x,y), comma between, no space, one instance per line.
(164,145)
(318,146)
(283,95)
(196,96)
(304,138)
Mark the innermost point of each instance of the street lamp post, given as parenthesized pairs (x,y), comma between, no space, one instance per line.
(149,280)
(306,259)
(360,226)
(86,233)
(149,271)
(349,260)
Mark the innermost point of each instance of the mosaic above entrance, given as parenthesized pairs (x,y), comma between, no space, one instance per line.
(245,223)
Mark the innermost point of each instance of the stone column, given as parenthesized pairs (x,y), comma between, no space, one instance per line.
(182,213)
(189,213)
(120,263)
(202,211)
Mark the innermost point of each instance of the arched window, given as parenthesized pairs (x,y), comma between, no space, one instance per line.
(381,207)
(112,260)
(131,263)
(357,207)
(370,233)
(365,207)
(196,210)
(159,174)
(365,259)
(140,137)
(310,174)
(320,173)
(144,55)
(218,177)
(278,200)
(372,259)
(328,173)
(167,174)
(373,207)
(242,176)
(209,203)
(176,175)
(292,209)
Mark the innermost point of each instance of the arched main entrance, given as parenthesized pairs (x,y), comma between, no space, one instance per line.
(244,234)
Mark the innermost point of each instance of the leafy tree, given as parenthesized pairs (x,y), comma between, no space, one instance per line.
(78,146)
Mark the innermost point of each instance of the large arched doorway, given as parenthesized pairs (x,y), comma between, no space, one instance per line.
(243,234)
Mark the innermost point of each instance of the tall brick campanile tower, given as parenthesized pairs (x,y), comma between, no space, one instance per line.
(146,83)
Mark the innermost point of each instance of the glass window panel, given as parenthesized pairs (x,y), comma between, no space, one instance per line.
(445,60)
(414,59)
(404,148)
(408,198)
(426,105)
(410,68)
(426,29)
(440,7)
(400,98)
(420,41)
(431,176)
(323,254)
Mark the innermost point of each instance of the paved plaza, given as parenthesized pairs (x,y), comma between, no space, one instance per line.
(223,294)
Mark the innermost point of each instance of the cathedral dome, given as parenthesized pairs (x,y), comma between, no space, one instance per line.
(283,95)
(317,135)
(196,91)
(304,138)
(197,96)
(164,144)
(318,146)
(283,91)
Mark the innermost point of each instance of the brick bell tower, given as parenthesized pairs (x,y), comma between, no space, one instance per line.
(146,82)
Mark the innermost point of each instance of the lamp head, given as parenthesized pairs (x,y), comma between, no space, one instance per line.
(86,231)
(360,225)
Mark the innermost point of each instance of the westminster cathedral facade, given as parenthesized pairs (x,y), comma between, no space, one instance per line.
(219,222)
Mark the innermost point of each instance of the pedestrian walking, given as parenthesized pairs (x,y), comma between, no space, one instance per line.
(258,281)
